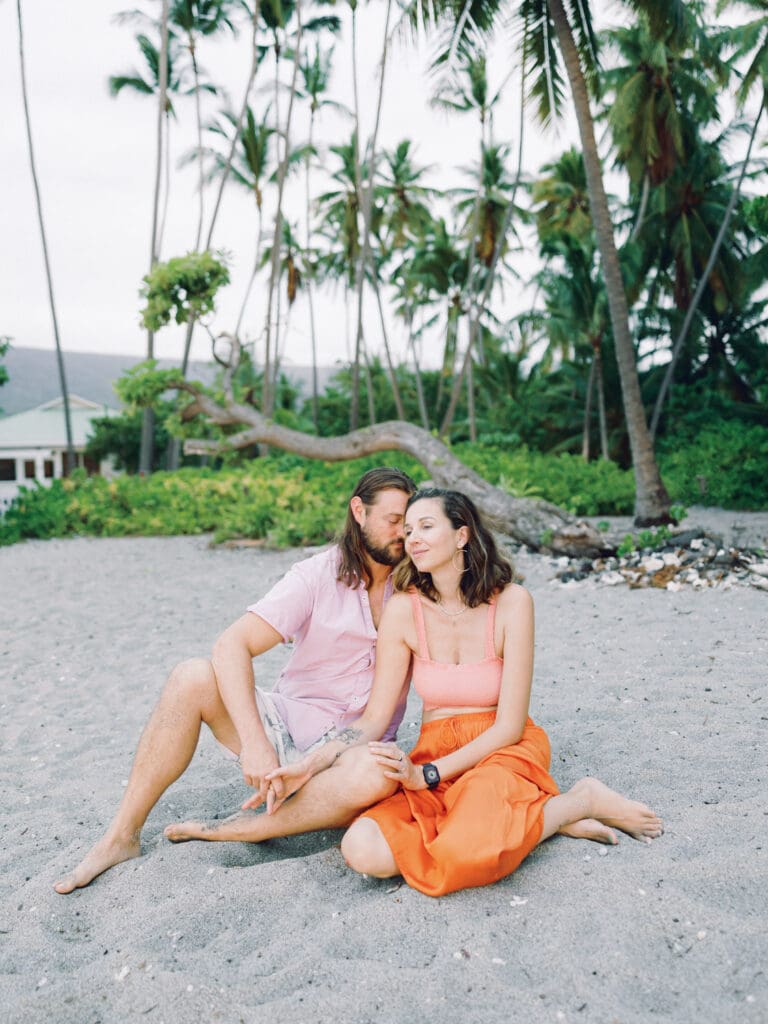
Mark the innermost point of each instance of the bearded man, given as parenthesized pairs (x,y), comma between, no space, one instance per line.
(329,606)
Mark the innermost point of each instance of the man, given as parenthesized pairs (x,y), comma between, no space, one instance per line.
(331,605)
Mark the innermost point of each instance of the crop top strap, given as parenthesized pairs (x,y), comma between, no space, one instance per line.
(490,630)
(418,617)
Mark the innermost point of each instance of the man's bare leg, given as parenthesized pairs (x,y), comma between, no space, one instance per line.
(591,799)
(165,749)
(331,799)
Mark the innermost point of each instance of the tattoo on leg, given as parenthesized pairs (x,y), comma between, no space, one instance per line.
(348,737)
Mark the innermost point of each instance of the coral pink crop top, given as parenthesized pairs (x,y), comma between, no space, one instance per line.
(445,685)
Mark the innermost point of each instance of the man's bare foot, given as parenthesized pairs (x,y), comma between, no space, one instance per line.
(104,855)
(237,827)
(590,828)
(616,811)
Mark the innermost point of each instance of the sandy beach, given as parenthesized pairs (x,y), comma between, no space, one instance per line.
(661,694)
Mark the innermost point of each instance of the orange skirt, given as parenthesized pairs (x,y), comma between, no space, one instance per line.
(476,828)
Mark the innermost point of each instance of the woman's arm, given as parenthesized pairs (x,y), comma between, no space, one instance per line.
(514,613)
(393,662)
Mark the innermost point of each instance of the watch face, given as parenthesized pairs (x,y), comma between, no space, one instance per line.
(431,775)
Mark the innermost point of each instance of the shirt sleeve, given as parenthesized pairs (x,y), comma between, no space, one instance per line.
(288,605)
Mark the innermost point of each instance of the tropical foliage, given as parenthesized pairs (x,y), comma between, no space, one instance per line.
(533,312)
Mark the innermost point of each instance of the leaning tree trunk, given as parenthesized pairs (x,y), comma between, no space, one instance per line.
(532,522)
(651,499)
(69,461)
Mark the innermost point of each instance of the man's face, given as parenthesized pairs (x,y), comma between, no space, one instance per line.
(381,525)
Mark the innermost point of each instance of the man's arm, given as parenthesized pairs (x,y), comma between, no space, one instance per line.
(233,655)
(393,662)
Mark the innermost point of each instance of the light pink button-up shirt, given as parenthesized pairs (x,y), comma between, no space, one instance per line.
(330,672)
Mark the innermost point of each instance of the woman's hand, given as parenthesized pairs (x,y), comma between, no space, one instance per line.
(397,765)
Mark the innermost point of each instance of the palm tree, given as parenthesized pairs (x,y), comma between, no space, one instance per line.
(197,18)
(316,75)
(405,213)
(551,31)
(465,89)
(365,190)
(161,82)
(434,273)
(249,166)
(147,83)
(70,459)
(486,209)
(752,40)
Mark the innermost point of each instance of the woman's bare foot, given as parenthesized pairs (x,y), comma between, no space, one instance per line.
(616,811)
(104,855)
(590,828)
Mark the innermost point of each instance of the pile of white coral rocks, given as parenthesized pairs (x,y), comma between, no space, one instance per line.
(688,559)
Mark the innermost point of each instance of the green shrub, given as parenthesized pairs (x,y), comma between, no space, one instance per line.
(287,500)
(583,488)
(725,464)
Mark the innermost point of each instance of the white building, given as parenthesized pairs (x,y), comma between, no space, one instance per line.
(33,444)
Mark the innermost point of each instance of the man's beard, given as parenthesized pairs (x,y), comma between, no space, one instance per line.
(385,555)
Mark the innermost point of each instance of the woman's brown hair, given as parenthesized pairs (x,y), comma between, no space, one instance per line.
(486,570)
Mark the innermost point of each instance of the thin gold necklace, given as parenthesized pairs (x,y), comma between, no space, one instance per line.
(451,615)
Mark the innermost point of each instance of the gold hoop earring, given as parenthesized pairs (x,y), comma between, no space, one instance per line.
(463,568)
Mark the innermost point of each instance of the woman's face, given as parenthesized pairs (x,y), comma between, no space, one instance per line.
(431,541)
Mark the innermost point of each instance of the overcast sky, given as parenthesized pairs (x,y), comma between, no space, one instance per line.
(95,160)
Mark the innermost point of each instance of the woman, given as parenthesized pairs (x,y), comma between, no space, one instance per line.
(475,795)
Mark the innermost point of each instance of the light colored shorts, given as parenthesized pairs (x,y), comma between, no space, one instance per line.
(277,732)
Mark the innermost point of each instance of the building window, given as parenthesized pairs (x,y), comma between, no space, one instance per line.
(48,469)
(7,469)
(29,469)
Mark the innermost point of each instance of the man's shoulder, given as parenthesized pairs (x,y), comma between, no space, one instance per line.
(321,567)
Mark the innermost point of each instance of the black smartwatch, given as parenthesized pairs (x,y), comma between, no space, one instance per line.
(431,775)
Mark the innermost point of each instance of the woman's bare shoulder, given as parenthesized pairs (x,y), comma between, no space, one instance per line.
(398,607)
(514,599)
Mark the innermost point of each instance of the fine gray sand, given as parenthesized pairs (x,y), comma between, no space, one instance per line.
(662,695)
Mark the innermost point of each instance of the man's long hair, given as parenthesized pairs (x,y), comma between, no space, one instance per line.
(353,563)
(486,570)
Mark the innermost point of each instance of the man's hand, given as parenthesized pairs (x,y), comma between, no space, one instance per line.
(256,764)
(286,781)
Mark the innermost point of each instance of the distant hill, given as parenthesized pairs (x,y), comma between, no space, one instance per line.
(34,377)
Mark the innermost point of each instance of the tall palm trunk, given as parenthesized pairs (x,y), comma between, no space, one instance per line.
(365,196)
(199,126)
(254,272)
(644,196)
(239,126)
(147,448)
(354,403)
(387,351)
(174,446)
(474,321)
(267,398)
(70,458)
(310,297)
(585,430)
(417,370)
(600,385)
(651,499)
